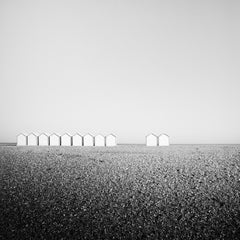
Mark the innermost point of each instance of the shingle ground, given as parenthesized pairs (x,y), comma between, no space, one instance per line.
(122,192)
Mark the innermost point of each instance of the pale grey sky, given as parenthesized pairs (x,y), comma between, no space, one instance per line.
(126,67)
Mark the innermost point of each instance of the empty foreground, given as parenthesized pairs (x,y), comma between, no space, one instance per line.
(124,192)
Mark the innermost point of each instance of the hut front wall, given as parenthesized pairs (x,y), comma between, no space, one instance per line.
(43,140)
(32,140)
(54,141)
(66,141)
(163,141)
(99,141)
(110,141)
(21,140)
(77,140)
(151,141)
(88,141)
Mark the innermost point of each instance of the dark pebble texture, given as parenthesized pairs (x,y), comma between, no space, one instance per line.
(122,192)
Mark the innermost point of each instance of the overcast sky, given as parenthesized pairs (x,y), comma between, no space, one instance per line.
(121,66)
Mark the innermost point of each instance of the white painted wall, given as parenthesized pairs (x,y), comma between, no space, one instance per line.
(163,140)
(151,140)
(99,140)
(77,140)
(111,140)
(54,140)
(32,140)
(88,140)
(43,140)
(66,140)
(21,140)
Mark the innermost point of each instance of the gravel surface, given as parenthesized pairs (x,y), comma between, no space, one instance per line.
(122,192)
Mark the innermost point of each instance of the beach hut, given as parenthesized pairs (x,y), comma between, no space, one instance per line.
(151,140)
(66,140)
(32,140)
(77,140)
(99,140)
(88,140)
(43,139)
(111,140)
(21,140)
(163,140)
(54,140)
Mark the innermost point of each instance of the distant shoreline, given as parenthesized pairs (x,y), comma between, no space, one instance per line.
(136,144)
(8,144)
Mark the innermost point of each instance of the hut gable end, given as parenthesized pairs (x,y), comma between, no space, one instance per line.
(151,140)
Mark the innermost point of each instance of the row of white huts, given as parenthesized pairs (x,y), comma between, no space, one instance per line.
(154,140)
(65,140)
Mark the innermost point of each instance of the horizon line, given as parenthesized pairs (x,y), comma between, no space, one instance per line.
(15,143)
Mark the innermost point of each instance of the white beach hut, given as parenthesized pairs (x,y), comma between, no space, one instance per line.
(21,140)
(54,140)
(163,140)
(99,140)
(88,140)
(151,140)
(77,140)
(111,140)
(66,140)
(32,140)
(43,139)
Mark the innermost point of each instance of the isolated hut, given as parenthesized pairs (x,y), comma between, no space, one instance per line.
(54,140)
(77,140)
(163,140)
(99,140)
(88,140)
(111,140)
(43,139)
(32,140)
(66,140)
(21,140)
(151,140)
